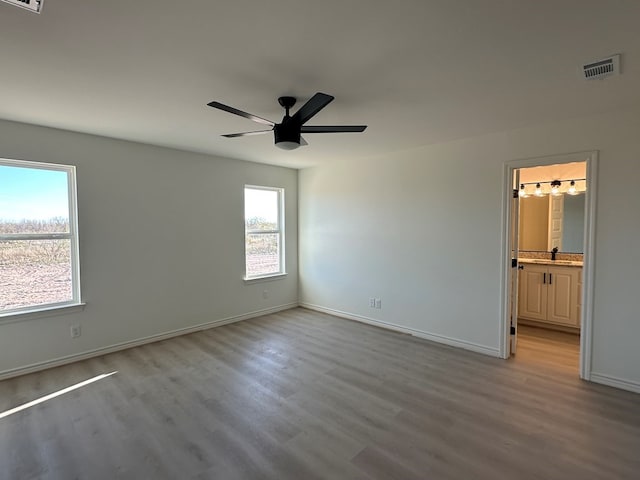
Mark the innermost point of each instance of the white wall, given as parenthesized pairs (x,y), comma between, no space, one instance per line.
(422,231)
(161,243)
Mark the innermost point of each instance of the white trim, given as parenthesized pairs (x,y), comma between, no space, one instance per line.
(615,382)
(35,236)
(588,284)
(453,342)
(36,367)
(51,310)
(75,233)
(19,162)
(263,232)
(586,321)
(504,332)
(265,278)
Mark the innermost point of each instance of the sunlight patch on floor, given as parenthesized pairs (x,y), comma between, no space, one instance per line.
(55,394)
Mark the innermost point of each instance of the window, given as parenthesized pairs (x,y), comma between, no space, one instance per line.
(38,237)
(264,239)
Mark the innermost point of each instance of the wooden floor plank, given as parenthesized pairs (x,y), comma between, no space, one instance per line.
(305,395)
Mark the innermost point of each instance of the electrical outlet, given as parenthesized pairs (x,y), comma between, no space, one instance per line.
(76,331)
(265,294)
(378,303)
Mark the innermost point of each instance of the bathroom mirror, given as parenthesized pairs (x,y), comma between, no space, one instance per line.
(550,221)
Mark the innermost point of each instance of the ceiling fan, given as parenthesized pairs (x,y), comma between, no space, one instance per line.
(287,132)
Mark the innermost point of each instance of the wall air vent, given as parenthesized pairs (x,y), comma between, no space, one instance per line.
(31,5)
(602,68)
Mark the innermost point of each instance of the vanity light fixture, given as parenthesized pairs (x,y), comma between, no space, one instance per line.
(558,187)
(538,192)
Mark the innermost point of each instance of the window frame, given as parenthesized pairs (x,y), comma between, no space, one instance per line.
(72,236)
(279,231)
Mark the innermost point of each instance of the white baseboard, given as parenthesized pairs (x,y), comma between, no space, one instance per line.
(36,367)
(453,342)
(615,382)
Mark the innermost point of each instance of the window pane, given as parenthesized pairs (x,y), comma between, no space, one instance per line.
(261,209)
(34,272)
(33,200)
(262,254)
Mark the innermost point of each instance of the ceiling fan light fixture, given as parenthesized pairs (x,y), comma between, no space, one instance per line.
(286,138)
(287,145)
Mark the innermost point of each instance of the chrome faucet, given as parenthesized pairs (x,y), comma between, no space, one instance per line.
(553,253)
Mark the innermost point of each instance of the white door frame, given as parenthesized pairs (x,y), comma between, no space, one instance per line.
(586,316)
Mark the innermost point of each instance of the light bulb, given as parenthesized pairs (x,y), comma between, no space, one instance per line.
(538,191)
(572,188)
(555,187)
(522,193)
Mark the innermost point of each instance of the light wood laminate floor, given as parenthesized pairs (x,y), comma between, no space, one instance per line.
(303,395)
(548,349)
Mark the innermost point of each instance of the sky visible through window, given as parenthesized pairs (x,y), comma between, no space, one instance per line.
(262,204)
(32,194)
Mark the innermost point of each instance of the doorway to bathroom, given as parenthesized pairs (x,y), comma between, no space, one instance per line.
(548,252)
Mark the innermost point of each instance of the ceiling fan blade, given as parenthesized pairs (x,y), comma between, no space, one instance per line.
(333,129)
(247,134)
(313,106)
(235,111)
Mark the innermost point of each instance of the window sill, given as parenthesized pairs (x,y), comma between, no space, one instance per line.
(265,278)
(52,311)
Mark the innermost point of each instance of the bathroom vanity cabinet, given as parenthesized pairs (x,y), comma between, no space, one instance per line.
(550,294)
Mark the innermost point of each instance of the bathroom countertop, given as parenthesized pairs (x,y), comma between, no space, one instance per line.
(544,261)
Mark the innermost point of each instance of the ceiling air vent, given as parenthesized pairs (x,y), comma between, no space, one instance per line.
(602,68)
(31,5)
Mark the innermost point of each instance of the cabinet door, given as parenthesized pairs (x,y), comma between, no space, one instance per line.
(533,292)
(563,295)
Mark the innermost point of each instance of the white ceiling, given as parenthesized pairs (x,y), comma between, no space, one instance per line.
(416,71)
